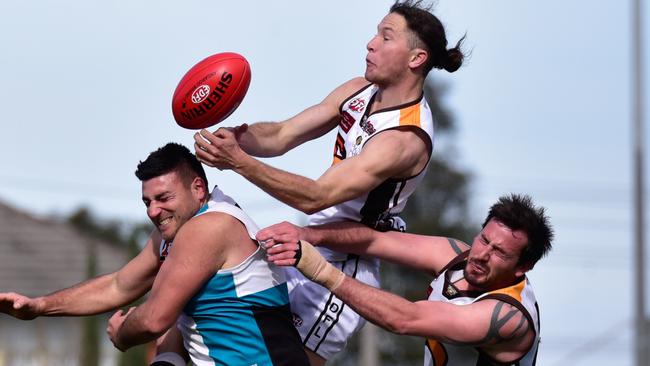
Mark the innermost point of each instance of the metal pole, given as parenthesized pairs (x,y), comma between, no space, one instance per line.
(641,336)
(368,352)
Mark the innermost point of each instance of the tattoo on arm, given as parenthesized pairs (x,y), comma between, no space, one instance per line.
(454,245)
(501,315)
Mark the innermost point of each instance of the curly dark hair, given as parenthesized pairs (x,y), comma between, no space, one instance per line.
(519,213)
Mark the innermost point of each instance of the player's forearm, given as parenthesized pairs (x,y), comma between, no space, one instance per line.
(345,236)
(94,296)
(389,311)
(140,327)
(264,139)
(382,308)
(301,193)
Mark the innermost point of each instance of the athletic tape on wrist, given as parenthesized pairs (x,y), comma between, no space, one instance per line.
(298,254)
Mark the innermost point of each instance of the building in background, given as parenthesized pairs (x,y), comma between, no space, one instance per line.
(38,257)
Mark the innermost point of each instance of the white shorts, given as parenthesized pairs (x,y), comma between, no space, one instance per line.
(323,321)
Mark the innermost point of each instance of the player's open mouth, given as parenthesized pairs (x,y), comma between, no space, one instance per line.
(164,221)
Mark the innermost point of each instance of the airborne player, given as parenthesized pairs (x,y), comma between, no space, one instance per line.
(384,143)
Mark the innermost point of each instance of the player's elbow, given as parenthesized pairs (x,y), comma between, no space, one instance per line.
(156,326)
(312,206)
(401,322)
(397,325)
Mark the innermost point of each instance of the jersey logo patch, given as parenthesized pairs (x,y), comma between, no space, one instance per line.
(297,321)
(367,126)
(357,105)
(346,122)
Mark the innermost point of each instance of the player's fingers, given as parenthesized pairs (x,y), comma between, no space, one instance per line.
(203,140)
(264,234)
(283,262)
(287,238)
(285,254)
(225,132)
(266,244)
(283,248)
(204,155)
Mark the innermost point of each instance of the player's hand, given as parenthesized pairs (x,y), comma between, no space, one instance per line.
(281,242)
(284,232)
(219,149)
(283,254)
(114,325)
(308,261)
(19,306)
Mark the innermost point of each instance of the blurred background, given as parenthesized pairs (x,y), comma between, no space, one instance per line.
(543,105)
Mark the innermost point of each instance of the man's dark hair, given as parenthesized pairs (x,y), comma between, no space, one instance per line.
(430,35)
(171,157)
(519,213)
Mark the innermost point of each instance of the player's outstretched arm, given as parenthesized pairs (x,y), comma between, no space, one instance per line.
(346,180)
(20,306)
(426,253)
(94,296)
(267,139)
(498,328)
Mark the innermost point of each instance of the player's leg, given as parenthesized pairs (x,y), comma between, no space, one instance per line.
(170,350)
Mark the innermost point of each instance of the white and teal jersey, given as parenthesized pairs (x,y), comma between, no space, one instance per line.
(241,315)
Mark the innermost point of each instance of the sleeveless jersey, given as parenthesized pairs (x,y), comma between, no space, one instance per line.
(519,295)
(378,208)
(241,315)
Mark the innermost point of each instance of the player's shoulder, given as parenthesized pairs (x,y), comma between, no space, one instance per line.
(357,83)
(209,227)
(212,221)
(349,88)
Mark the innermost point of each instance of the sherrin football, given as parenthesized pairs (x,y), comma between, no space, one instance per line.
(211,90)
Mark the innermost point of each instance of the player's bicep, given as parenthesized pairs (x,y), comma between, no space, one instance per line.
(387,156)
(486,324)
(195,257)
(422,252)
(317,120)
(137,276)
(307,125)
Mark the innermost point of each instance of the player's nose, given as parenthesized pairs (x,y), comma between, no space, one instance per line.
(153,211)
(371,44)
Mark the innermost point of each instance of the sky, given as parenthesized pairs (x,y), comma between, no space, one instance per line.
(543,106)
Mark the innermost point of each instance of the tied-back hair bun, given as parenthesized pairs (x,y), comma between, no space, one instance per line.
(454,57)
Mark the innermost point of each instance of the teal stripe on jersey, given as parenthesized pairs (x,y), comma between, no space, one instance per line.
(227,323)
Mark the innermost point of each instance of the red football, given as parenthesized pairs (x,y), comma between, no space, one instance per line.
(211,90)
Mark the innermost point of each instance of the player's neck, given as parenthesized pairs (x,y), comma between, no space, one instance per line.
(397,94)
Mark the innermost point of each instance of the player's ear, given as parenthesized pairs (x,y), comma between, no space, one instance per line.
(419,57)
(199,188)
(523,268)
